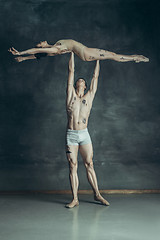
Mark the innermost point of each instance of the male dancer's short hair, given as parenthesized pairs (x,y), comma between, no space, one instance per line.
(77,81)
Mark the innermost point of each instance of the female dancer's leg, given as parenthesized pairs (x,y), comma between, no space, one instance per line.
(91,54)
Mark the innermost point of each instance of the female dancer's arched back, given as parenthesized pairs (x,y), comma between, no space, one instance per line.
(69,45)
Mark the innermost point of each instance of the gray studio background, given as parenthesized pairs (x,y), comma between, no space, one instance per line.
(124,122)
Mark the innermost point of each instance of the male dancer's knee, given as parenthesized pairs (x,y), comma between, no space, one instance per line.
(72,164)
(89,164)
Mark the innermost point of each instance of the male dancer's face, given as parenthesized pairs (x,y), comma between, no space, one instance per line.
(81,83)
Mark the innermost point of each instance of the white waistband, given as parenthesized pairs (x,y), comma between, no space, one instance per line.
(77,131)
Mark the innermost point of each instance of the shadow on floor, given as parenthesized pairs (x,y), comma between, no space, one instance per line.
(62,199)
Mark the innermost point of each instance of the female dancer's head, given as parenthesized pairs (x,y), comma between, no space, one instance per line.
(43,44)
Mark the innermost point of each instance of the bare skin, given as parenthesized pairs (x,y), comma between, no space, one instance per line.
(83,52)
(78,108)
(30,57)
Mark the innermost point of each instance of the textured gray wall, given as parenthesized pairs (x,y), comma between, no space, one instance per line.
(124,122)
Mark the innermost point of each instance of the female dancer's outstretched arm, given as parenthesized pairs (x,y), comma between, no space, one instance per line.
(34,51)
(33,56)
(83,52)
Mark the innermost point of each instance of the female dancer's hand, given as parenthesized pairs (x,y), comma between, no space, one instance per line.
(13,51)
(19,59)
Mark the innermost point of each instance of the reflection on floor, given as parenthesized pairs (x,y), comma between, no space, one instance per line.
(44,217)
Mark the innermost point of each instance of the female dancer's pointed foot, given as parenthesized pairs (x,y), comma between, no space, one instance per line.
(101,199)
(140,58)
(73,204)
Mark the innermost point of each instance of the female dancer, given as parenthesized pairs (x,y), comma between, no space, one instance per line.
(69,45)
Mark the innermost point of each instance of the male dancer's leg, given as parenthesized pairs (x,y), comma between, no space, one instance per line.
(72,152)
(87,155)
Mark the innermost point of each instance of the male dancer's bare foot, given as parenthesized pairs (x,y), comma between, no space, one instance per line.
(140,58)
(13,51)
(101,199)
(73,204)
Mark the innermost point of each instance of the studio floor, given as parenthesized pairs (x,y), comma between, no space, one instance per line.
(44,217)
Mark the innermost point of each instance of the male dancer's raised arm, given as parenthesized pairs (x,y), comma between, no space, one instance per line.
(70,83)
(71,72)
(94,81)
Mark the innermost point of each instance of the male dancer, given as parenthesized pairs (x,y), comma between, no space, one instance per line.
(78,106)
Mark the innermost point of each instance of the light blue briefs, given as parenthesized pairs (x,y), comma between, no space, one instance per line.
(77,137)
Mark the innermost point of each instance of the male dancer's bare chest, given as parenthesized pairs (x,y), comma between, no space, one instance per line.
(79,106)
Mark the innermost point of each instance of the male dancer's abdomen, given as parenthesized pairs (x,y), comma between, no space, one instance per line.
(77,124)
